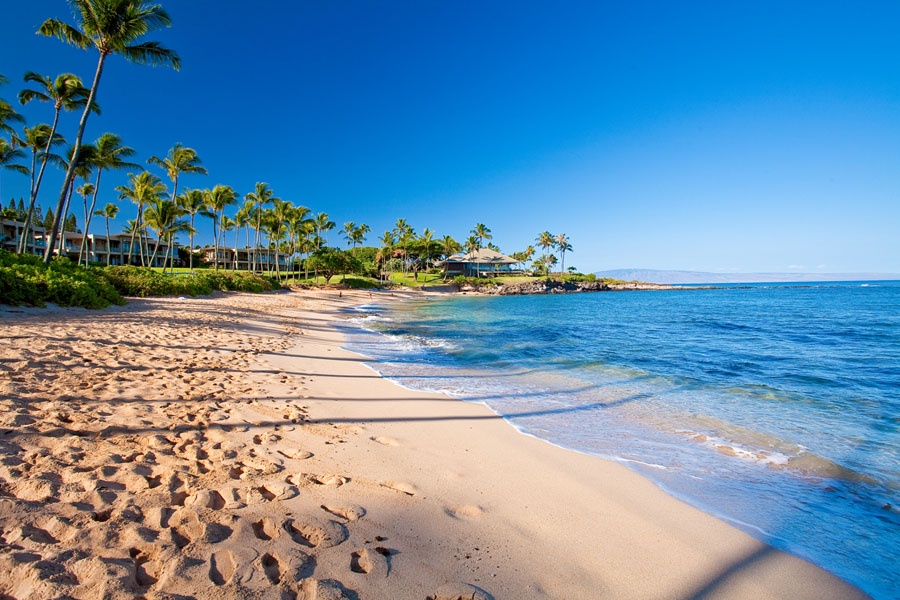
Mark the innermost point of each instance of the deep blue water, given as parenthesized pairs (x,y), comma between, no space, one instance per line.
(776,407)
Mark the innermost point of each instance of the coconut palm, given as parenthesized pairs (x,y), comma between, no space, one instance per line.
(192,202)
(227,224)
(217,200)
(110,27)
(387,246)
(472,244)
(8,115)
(9,156)
(39,139)
(107,212)
(449,246)
(66,92)
(109,153)
(82,164)
(563,245)
(261,196)
(323,226)
(545,240)
(359,234)
(349,226)
(481,233)
(143,189)
(298,224)
(163,216)
(179,160)
(275,221)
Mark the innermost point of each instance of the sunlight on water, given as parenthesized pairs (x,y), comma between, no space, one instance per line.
(773,407)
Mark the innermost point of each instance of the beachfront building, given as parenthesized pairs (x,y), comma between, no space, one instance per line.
(483,262)
(117,247)
(243,258)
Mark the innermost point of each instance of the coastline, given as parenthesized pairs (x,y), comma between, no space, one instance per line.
(186,420)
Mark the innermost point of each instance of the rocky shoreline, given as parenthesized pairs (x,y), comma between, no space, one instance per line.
(553,286)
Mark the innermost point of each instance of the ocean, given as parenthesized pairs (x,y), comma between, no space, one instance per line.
(775,407)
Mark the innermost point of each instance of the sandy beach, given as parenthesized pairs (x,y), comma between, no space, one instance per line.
(228,447)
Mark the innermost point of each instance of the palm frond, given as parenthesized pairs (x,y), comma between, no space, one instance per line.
(153,54)
(66,33)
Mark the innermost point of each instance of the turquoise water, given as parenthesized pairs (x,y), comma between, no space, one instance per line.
(776,407)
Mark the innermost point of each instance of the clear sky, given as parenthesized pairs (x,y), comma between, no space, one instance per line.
(740,136)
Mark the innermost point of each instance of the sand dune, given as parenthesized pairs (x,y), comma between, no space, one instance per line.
(227,447)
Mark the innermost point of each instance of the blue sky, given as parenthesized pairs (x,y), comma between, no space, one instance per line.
(715,136)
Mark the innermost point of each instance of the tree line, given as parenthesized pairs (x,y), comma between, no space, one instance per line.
(269,223)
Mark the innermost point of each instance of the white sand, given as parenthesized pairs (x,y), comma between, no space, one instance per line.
(227,447)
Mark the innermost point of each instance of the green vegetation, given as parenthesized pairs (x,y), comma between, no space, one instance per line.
(26,280)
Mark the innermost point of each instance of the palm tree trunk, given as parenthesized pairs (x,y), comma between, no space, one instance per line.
(37,184)
(108,245)
(134,229)
(70,172)
(191,245)
(90,213)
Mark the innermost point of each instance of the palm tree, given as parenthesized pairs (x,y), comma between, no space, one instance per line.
(563,245)
(109,153)
(217,199)
(39,140)
(387,245)
(349,226)
(192,202)
(427,236)
(227,224)
(144,188)
(107,212)
(111,27)
(545,240)
(276,224)
(163,216)
(323,225)
(8,157)
(298,224)
(359,234)
(179,160)
(82,165)
(481,233)
(66,92)
(404,233)
(450,246)
(260,196)
(472,244)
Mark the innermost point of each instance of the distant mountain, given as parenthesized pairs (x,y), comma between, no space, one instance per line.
(670,277)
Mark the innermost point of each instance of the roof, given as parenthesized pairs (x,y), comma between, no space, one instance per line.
(482,256)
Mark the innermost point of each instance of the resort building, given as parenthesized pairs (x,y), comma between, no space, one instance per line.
(484,262)
(243,258)
(117,247)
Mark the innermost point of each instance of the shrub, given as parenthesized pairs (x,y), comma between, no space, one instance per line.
(24,279)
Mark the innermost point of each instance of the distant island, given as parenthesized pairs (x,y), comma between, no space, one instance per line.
(682,277)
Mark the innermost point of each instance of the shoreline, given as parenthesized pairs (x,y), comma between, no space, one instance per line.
(242,415)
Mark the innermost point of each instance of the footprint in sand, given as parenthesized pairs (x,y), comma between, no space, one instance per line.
(404,488)
(221,567)
(350,513)
(265,529)
(371,561)
(146,569)
(465,512)
(385,441)
(317,533)
(271,567)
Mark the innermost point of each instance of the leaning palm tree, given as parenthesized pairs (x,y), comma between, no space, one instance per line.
(109,153)
(192,202)
(39,139)
(110,27)
(261,196)
(163,216)
(143,189)
(107,212)
(66,92)
(545,240)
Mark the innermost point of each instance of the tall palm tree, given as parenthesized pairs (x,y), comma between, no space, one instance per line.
(39,139)
(179,160)
(387,245)
(449,246)
(563,245)
(9,156)
(545,240)
(192,202)
(347,232)
(298,224)
(276,223)
(472,244)
(143,189)
(323,226)
(82,164)
(163,216)
(109,153)
(66,92)
(227,224)
(359,234)
(110,27)
(262,195)
(481,233)
(404,232)
(217,199)
(107,212)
